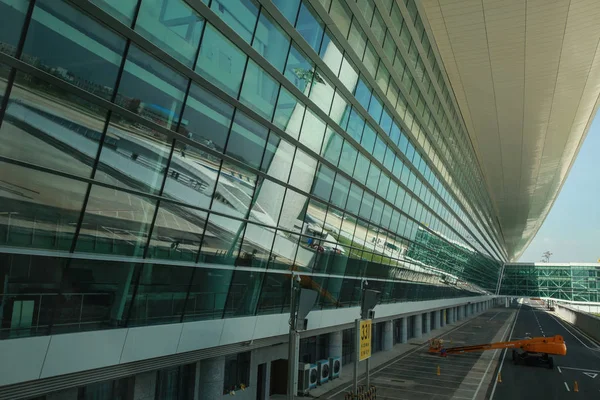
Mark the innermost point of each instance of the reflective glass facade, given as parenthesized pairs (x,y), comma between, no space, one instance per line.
(573,282)
(165,161)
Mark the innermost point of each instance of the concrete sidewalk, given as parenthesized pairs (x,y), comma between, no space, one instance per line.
(381,359)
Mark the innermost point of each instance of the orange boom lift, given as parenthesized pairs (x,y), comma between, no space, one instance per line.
(526,351)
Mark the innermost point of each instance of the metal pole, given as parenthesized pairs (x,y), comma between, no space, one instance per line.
(356,355)
(368,373)
(293,345)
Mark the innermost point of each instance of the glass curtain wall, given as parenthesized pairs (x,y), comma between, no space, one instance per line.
(158,169)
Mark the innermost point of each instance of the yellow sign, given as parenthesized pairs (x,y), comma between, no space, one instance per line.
(365,339)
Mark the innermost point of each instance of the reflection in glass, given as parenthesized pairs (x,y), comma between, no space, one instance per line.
(73,47)
(247,140)
(133,156)
(177,233)
(206,119)
(13,15)
(289,113)
(277,161)
(259,91)
(244,293)
(123,10)
(221,62)
(240,15)
(310,26)
(115,223)
(38,210)
(44,125)
(299,70)
(161,294)
(172,26)
(313,130)
(208,294)
(271,41)
(151,89)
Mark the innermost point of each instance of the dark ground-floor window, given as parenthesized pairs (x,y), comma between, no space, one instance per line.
(176,383)
(237,372)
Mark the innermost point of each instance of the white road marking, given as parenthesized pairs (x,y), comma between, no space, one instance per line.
(581,369)
(590,374)
(575,336)
(505,351)
(567,386)
(559,370)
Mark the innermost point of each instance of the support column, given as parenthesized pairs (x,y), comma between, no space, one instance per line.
(418,326)
(212,375)
(336,340)
(403,330)
(427,326)
(443,317)
(145,386)
(506,302)
(388,335)
(436,319)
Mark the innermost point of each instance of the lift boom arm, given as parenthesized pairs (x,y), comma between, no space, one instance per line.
(547,345)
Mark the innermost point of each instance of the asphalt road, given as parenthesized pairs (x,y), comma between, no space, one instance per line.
(414,376)
(581,364)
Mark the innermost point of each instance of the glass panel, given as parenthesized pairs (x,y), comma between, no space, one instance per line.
(354,199)
(161,294)
(378,26)
(356,125)
(366,207)
(371,59)
(137,159)
(348,158)
(151,89)
(123,10)
(73,47)
(289,9)
(46,126)
(208,294)
(247,140)
(222,239)
(206,119)
(361,168)
(324,182)
(288,113)
(313,130)
(271,41)
(13,15)
(277,161)
(39,210)
(240,15)
(171,25)
(341,188)
(191,178)
(332,147)
(266,209)
(348,75)
(221,62)
(368,138)
(256,246)
(244,293)
(363,94)
(299,70)
(115,223)
(375,108)
(379,150)
(310,26)
(357,39)
(177,233)
(330,53)
(322,92)
(373,177)
(259,91)
(303,171)
(341,16)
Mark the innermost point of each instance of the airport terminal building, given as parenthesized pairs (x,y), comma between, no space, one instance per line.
(169,168)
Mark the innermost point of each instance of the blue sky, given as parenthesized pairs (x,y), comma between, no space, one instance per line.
(572,229)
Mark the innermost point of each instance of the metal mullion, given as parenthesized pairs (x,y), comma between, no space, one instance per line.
(13,72)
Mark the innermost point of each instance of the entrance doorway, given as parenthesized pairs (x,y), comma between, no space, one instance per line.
(278,377)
